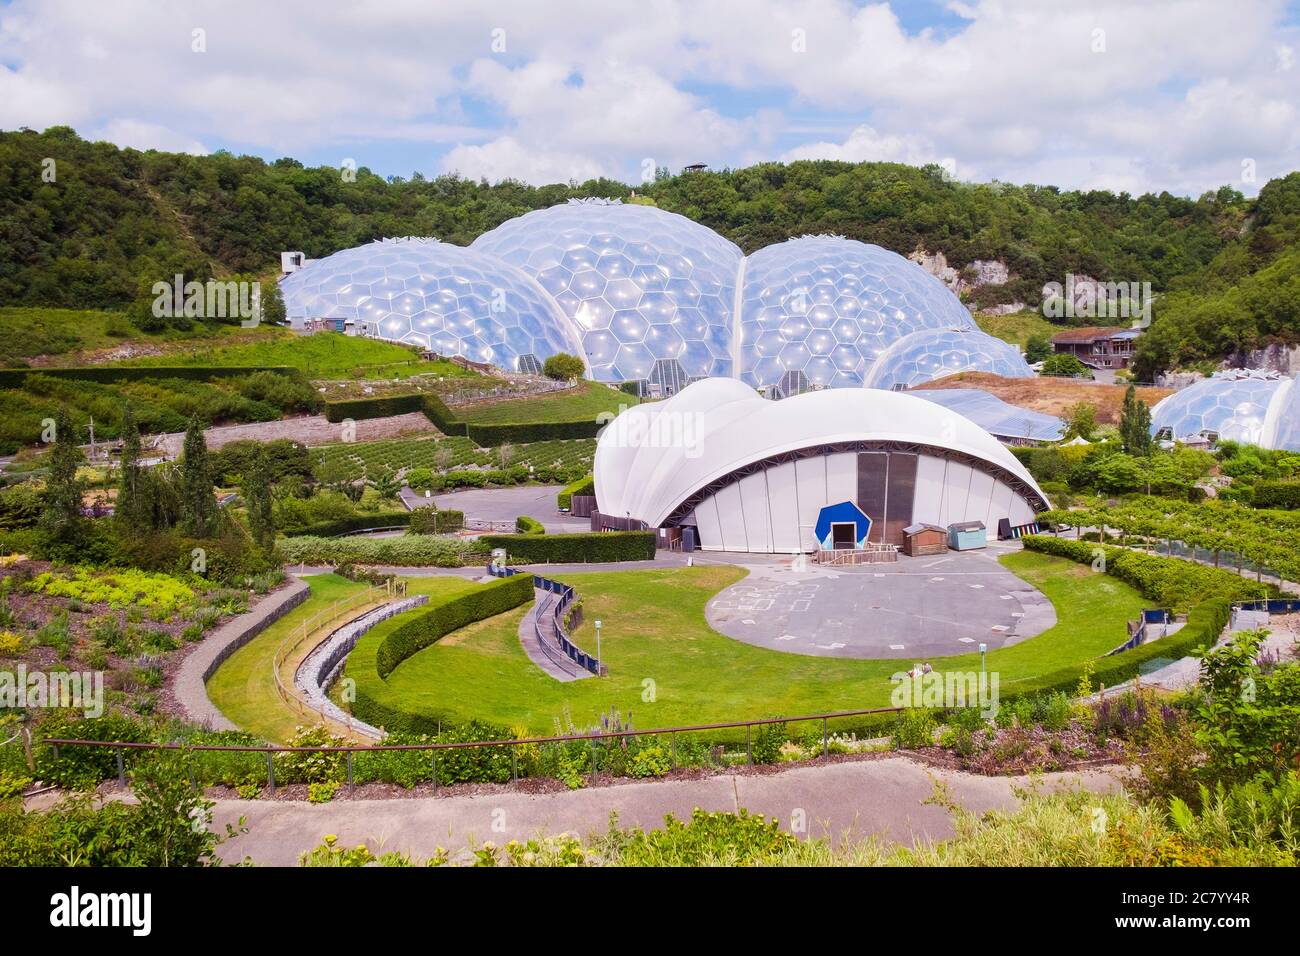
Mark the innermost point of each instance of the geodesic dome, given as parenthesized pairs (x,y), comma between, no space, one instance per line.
(819,311)
(651,292)
(1243,405)
(933,353)
(444,297)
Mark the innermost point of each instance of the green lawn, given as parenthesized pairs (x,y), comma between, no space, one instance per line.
(1017,327)
(323,355)
(654,630)
(243,688)
(584,402)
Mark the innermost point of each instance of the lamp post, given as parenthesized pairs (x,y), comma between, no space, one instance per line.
(983,650)
(598,659)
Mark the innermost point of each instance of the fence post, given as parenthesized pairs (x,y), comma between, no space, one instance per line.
(825,740)
(749,750)
(593,758)
(350,786)
(435,771)
(270,771)
(514,762)
(121,768)
(673,740)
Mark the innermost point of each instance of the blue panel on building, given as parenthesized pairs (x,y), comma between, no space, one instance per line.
(843,513)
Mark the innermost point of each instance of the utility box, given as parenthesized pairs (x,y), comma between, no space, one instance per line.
(922,538)
(967,535)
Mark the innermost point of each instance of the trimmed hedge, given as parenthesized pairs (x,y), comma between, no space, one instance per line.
(341,526)
(107,374)
(585,485)
(359,409)
(589,547)
(1172,582)
(1276,494)
(527,525)
(440,619)
(406,551)
(1164,580)
(1205,623)
(436,410)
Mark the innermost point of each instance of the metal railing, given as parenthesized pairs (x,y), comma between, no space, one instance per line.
(555,614)
(591,739)
(372,595)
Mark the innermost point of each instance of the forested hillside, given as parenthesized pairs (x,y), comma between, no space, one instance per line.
(116,220)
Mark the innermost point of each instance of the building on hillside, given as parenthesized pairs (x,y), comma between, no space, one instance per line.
(1110,347)
(747,474)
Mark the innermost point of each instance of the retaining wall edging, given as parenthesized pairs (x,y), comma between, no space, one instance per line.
(190,685)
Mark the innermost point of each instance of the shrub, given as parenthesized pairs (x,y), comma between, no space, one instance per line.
(433,521)
(709,839)
(1276,494)
(407,551)
(359,409)
(765,746)
(562,366)
(915,729)
(527,525)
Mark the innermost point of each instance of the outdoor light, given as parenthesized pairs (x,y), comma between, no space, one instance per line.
(983,650)
(598,648)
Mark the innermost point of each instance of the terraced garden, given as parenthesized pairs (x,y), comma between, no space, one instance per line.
(442,454)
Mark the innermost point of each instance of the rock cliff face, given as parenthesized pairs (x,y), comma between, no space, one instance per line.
(980,273)
(1276,357)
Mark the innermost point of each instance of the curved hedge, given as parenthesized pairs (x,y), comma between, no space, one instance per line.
(597,547)
(1169,581)
(371,661)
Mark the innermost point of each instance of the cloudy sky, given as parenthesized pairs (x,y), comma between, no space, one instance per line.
(1137,95)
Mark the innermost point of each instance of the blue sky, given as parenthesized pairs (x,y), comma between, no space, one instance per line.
(1183,95)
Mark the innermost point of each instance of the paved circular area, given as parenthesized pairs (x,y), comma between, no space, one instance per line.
(915,609)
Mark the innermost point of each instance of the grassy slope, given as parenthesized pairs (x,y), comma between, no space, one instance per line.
(64,334)
(1017,327)
(586,401)
(655,629)
(324,355)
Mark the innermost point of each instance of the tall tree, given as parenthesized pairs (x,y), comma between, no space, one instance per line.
(256,489)
(129,508)
(1135,424)
(62,520)
(199,516)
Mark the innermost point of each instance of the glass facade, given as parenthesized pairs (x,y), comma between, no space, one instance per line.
(443,297)
(1233,405)
(933,353)
(828,307)
(641,285)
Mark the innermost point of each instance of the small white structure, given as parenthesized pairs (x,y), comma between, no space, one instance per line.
(753,475)
(293,261)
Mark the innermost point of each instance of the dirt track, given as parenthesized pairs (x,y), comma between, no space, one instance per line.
(1052,396)
(308,429)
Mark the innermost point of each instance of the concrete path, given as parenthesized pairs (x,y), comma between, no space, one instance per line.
(931,606)
(189,688)
(545,652)
(857,799)
(507,504)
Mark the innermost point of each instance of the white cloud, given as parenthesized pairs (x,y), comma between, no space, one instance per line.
(141,135)
(1181,93)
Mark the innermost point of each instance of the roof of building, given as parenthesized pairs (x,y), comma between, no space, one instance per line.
(994,415)
(966,526)
(656,455)
(1093,333)
(924,526)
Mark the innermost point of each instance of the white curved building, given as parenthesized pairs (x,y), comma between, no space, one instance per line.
(754,475)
